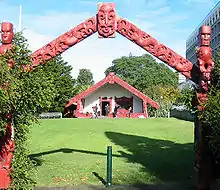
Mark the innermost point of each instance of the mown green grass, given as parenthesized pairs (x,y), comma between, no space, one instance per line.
(69,151)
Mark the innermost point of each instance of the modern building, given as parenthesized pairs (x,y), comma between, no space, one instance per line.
(213,20)
(112,91)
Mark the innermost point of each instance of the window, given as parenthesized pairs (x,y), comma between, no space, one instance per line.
(124,102)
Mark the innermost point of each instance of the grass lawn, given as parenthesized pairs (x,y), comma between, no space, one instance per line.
(71,151)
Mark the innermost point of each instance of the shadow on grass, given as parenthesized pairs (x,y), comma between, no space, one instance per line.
(38,161)
(166,160)
(99,177)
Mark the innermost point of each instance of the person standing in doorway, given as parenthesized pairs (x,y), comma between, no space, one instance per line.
(107,108)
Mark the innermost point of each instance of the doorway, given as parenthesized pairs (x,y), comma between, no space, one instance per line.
(103,108)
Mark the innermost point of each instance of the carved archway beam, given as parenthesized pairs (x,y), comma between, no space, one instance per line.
(107,23)
(152,46)
(64,42)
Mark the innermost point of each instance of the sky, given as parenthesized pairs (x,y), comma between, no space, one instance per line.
(169,21)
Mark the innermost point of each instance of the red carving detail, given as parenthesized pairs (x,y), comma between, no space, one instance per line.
(167,55)
(150,44)
(111,78)
(106,19)
(205,36)
(205,65)
(7,33)
(65,41)
(204,56)
(205,62)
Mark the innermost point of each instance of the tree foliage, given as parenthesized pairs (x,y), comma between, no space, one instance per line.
(143,72)
(185,98)
(165,96)
(211,115)
(27,93)
(59,73)
(84,80)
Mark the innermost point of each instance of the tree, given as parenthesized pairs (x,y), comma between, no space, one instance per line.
(84,79)
(27,94)
(211,115)
(165,96)
(143,73)
(64,85)
(185,98)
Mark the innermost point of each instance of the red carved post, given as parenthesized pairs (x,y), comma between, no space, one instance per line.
(204,158)
(7,141)
(106,20)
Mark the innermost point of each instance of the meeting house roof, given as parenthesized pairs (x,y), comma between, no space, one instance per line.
(111,79)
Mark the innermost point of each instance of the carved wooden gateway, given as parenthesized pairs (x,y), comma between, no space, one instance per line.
(107,23)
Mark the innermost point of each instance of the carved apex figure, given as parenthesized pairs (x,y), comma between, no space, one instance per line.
(7,36)
(111,77)
(106,18)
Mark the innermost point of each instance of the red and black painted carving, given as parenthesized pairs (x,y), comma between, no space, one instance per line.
(150,44)
(203,161)
(205,62)
(106,20)
(65,41)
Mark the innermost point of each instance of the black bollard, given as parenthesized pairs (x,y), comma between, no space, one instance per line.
(109,167)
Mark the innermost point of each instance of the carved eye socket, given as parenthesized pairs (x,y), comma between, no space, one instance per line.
(111,14)
(101,16)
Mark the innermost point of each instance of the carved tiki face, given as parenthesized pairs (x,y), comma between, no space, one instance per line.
(205,35)
(7,33)
(106,19)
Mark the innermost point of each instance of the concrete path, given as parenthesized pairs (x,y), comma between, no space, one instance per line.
(122,187)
